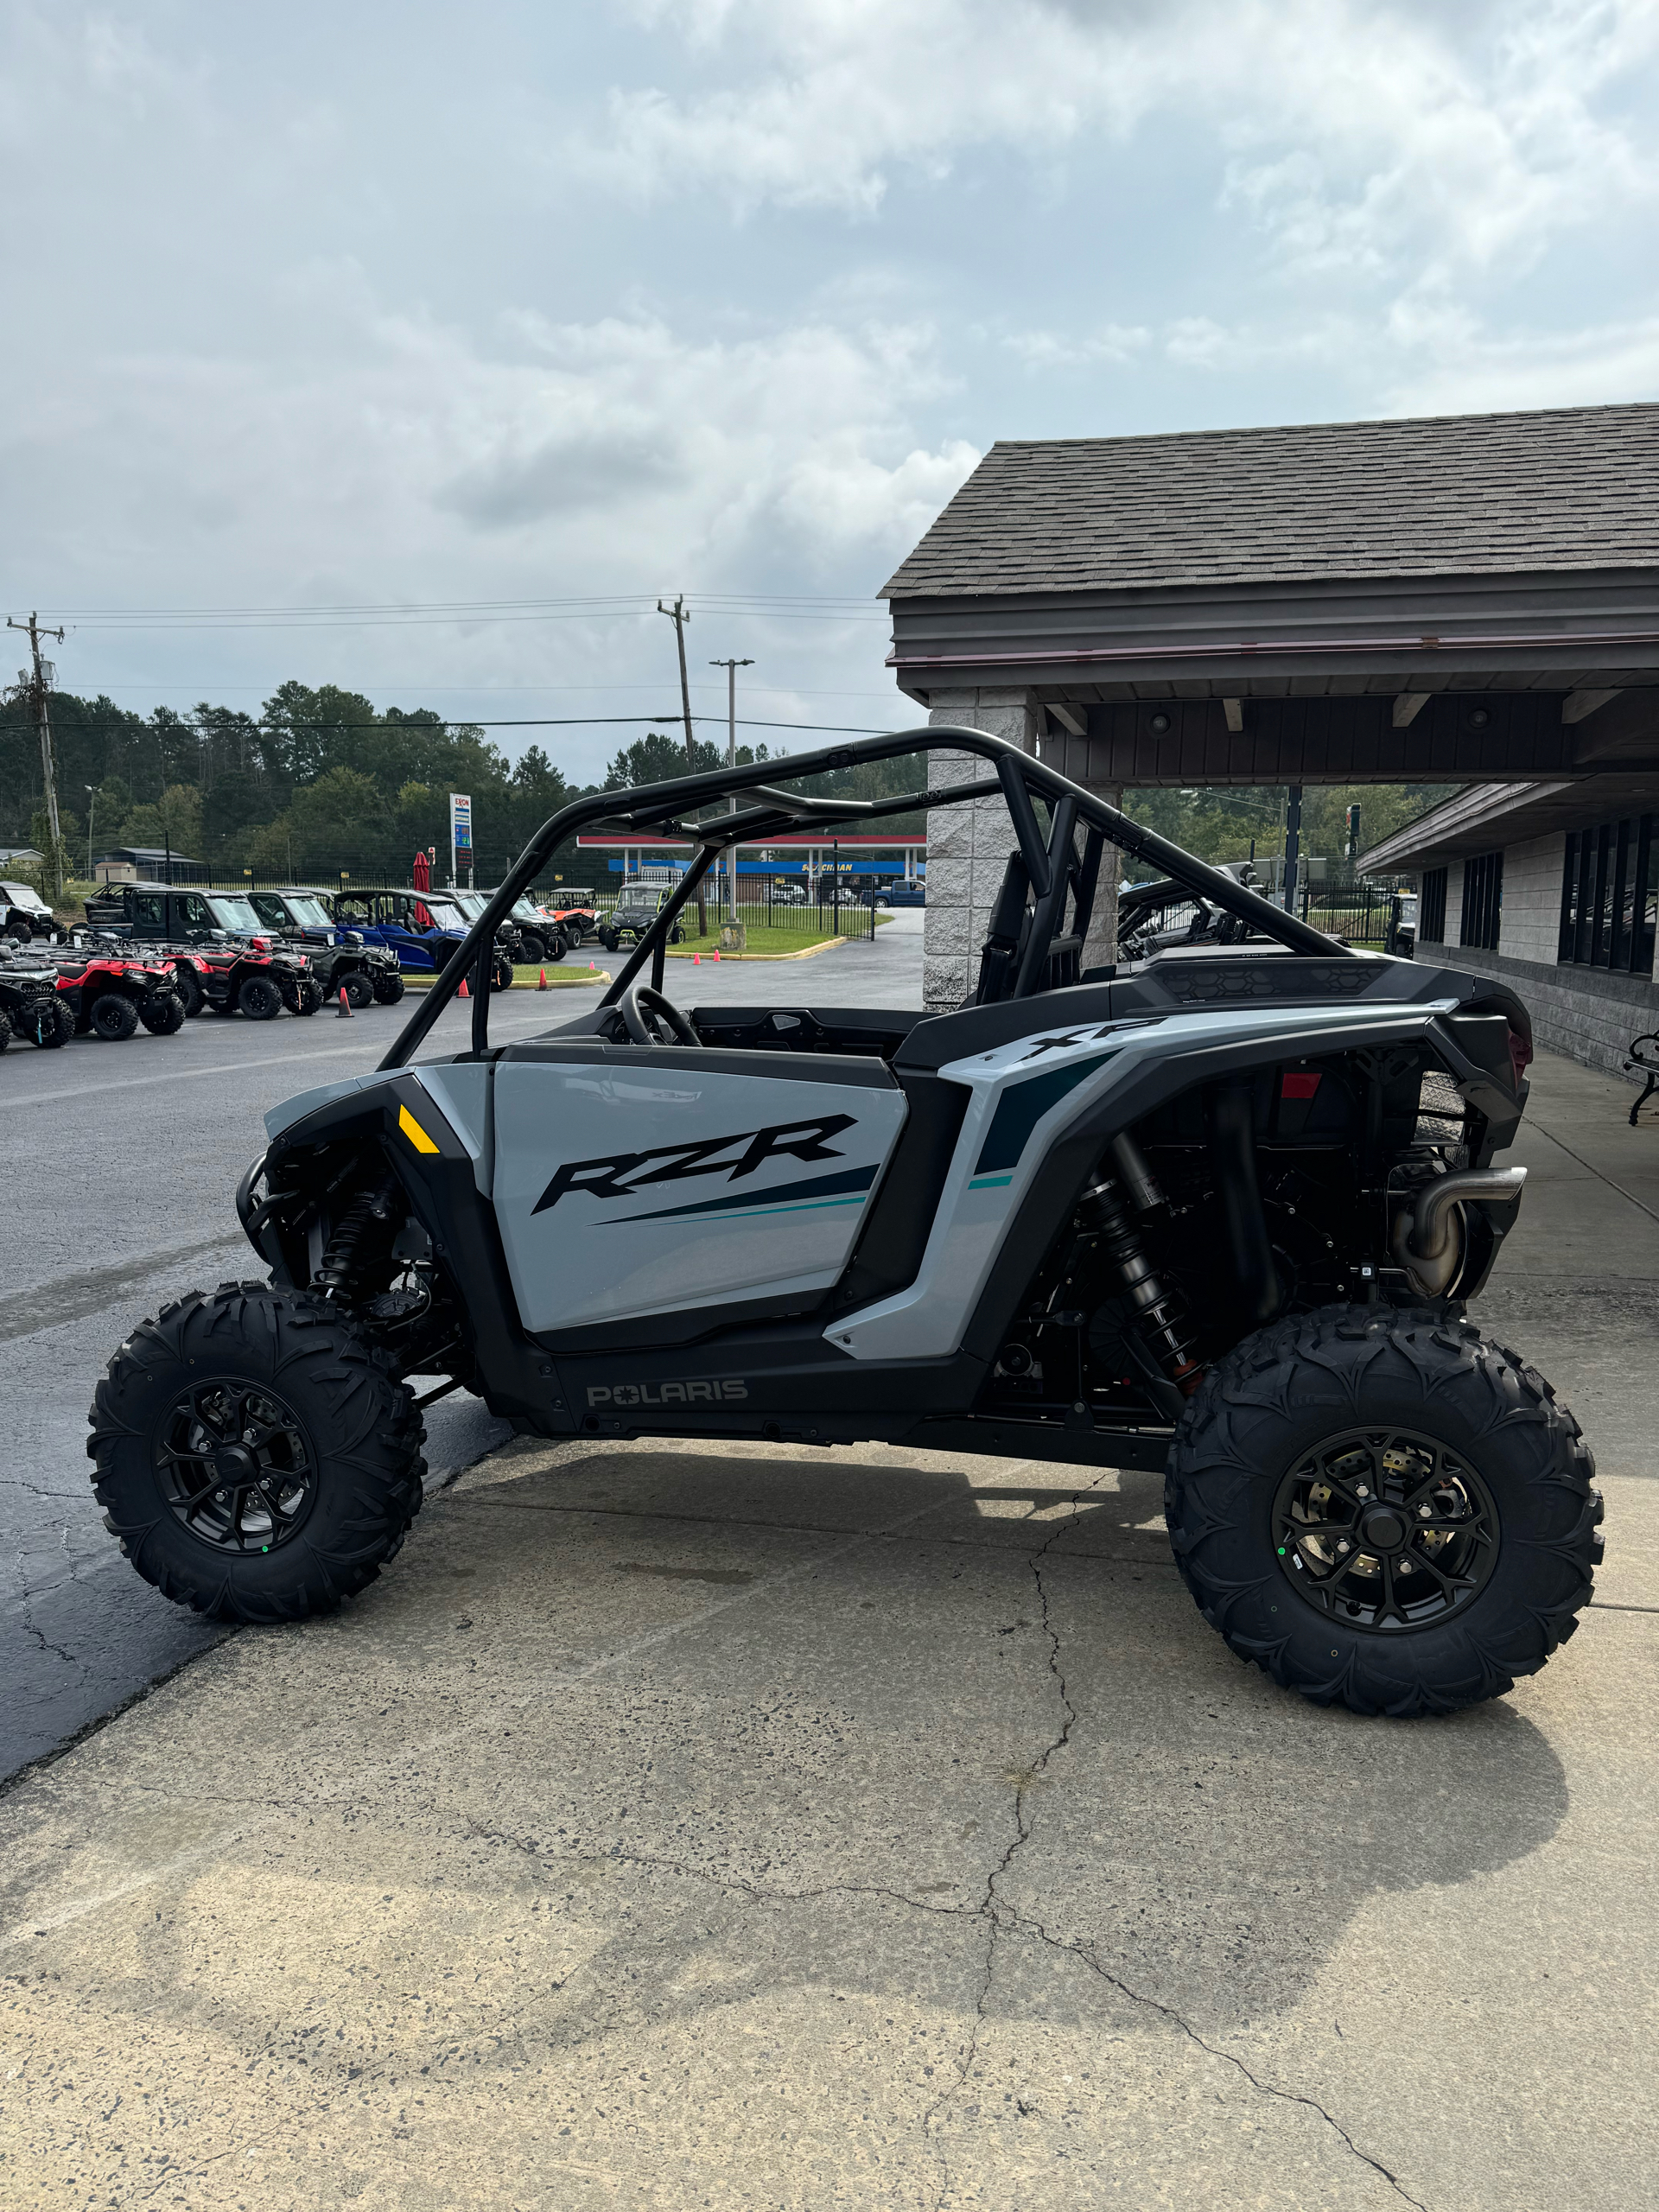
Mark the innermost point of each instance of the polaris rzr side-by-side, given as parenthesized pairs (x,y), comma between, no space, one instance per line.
(1217,1214)
(25,916)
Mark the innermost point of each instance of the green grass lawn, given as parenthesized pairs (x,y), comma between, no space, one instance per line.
(778,938)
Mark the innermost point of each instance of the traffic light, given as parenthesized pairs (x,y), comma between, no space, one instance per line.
(1353,832)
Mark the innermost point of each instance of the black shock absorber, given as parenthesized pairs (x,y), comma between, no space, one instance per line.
(338,1267)
(1159,1318)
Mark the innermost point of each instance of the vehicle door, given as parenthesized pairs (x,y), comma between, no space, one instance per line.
(191,916)
(146,913)
(633,1181)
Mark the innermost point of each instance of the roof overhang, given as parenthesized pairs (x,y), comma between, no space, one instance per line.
(1487,817)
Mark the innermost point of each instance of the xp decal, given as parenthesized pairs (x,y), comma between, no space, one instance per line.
(623,1173)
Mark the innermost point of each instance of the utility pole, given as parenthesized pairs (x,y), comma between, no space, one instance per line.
(679,614)
(37,686)
(731,668)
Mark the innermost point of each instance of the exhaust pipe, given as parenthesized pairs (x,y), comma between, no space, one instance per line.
(1429,1240)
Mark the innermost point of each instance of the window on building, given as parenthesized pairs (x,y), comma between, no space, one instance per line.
(1483,899)
(1610,893)
(1430,913)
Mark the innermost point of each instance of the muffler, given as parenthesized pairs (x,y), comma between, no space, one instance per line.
(1428,1242)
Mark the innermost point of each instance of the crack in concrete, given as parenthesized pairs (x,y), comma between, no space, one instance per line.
(1214,2050)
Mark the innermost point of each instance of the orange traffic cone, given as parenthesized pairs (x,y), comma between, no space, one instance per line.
(717,952)
(697,960)
(542,985)
(464,993)
(345,1013)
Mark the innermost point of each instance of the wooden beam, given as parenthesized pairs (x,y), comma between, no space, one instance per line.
(1070,718)
(1578,705)
(1407,705)
(1234,710)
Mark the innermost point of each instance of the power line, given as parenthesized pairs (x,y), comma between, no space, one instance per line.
(38,683)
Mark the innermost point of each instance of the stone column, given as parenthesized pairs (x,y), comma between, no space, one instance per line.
(967,847)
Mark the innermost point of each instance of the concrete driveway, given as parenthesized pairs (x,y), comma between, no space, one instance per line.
(745,1829)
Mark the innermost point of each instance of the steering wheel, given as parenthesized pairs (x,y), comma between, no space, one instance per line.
(650,1019)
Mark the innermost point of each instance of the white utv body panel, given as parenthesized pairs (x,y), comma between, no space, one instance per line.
(1024,1094)
(623,1191)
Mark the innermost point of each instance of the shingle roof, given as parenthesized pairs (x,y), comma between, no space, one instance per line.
(1568,487)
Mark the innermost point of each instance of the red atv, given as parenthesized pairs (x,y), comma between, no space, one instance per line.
(111,993)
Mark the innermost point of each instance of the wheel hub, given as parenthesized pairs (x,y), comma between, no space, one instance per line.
(1384,1530)
(235,1465)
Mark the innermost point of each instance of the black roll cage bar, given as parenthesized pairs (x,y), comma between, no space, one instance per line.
(1051,862)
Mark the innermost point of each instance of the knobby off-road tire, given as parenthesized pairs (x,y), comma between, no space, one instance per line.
(260,999)
(191,997)
(5,1032)
(388,989)
(256,1458)
(1274,1446)
(360,991)
(162,1014)
(310,996)
(114,1016)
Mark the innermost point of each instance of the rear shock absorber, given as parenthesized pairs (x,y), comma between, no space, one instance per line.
(1160,1318)
(337,1267)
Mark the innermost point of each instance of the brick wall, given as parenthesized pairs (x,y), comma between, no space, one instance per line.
(1588,1014)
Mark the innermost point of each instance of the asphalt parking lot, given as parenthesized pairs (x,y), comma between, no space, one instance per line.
(751,1828)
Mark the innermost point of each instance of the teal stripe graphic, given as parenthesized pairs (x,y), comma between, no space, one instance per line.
(988,1182)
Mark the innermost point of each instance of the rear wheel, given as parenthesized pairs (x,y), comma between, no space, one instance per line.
(191,997)
(256,1458)
(259,999)
(388,989)
(501,975)
(360,991)
(114,1016)
(1383,1510)
(162,1014)
(533,948)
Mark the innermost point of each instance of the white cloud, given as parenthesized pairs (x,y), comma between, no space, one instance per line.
(1110,346)
(1415,139)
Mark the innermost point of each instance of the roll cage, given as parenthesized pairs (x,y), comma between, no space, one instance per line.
(1038,924)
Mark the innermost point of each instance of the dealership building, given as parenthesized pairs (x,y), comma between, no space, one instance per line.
(1471,601)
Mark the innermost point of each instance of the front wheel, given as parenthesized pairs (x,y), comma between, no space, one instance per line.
(260,999)
(388,989)
(360,991)
(1384,1510)
(609,939)
(114,1016)
(162,1014)
(255,1457)
(501,975)
(532,948)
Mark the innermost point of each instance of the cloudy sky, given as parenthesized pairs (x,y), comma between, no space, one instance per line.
(419,348)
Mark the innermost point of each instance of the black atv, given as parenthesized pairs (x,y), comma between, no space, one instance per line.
(235,968)
(341,960)
(30,1005)
(1215,1214)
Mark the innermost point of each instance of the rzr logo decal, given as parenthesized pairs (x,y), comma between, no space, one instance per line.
(622,1173)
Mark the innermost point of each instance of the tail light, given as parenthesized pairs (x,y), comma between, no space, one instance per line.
(1519,1054)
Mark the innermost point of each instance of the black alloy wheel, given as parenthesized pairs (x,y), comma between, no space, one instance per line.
(532,948)
(235,1466)
(20,933)
(1384,1530)
(1384,1510)
(259,998)
(257,1459)
(114,1016)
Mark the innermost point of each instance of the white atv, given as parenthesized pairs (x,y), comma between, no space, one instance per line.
(1215,1214)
